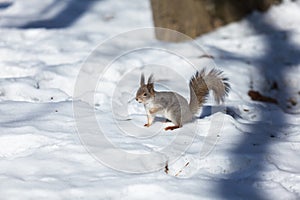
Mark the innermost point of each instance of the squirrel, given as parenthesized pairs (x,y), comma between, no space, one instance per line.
(175,107)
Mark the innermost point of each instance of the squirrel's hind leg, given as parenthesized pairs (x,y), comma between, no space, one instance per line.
(175,118)
(176,125)
(172,127)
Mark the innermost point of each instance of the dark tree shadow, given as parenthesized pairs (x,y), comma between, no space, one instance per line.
(263,134)
(4,5)
(71,12)
(210,110)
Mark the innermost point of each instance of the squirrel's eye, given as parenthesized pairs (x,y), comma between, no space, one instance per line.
(145,94)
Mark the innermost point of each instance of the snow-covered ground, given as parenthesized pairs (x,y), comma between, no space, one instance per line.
(52,50)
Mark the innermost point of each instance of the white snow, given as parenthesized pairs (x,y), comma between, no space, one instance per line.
(251,151)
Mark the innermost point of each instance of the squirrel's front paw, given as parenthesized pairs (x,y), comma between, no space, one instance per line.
(147,125)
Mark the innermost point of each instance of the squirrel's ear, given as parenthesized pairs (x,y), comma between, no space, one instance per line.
(150,87)
(150,79)
(142,82)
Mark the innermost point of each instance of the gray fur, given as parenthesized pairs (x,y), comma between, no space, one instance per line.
(175,107)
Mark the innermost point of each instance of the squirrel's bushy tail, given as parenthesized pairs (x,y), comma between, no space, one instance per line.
(202,82)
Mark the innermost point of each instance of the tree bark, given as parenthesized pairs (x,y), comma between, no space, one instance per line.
(195,17)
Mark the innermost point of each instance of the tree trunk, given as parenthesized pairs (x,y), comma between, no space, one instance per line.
(195,17)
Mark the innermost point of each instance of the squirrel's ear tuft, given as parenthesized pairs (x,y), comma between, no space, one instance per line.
(150,79)
(150,87)
(142,82)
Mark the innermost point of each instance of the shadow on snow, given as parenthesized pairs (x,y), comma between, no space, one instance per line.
(71,11)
